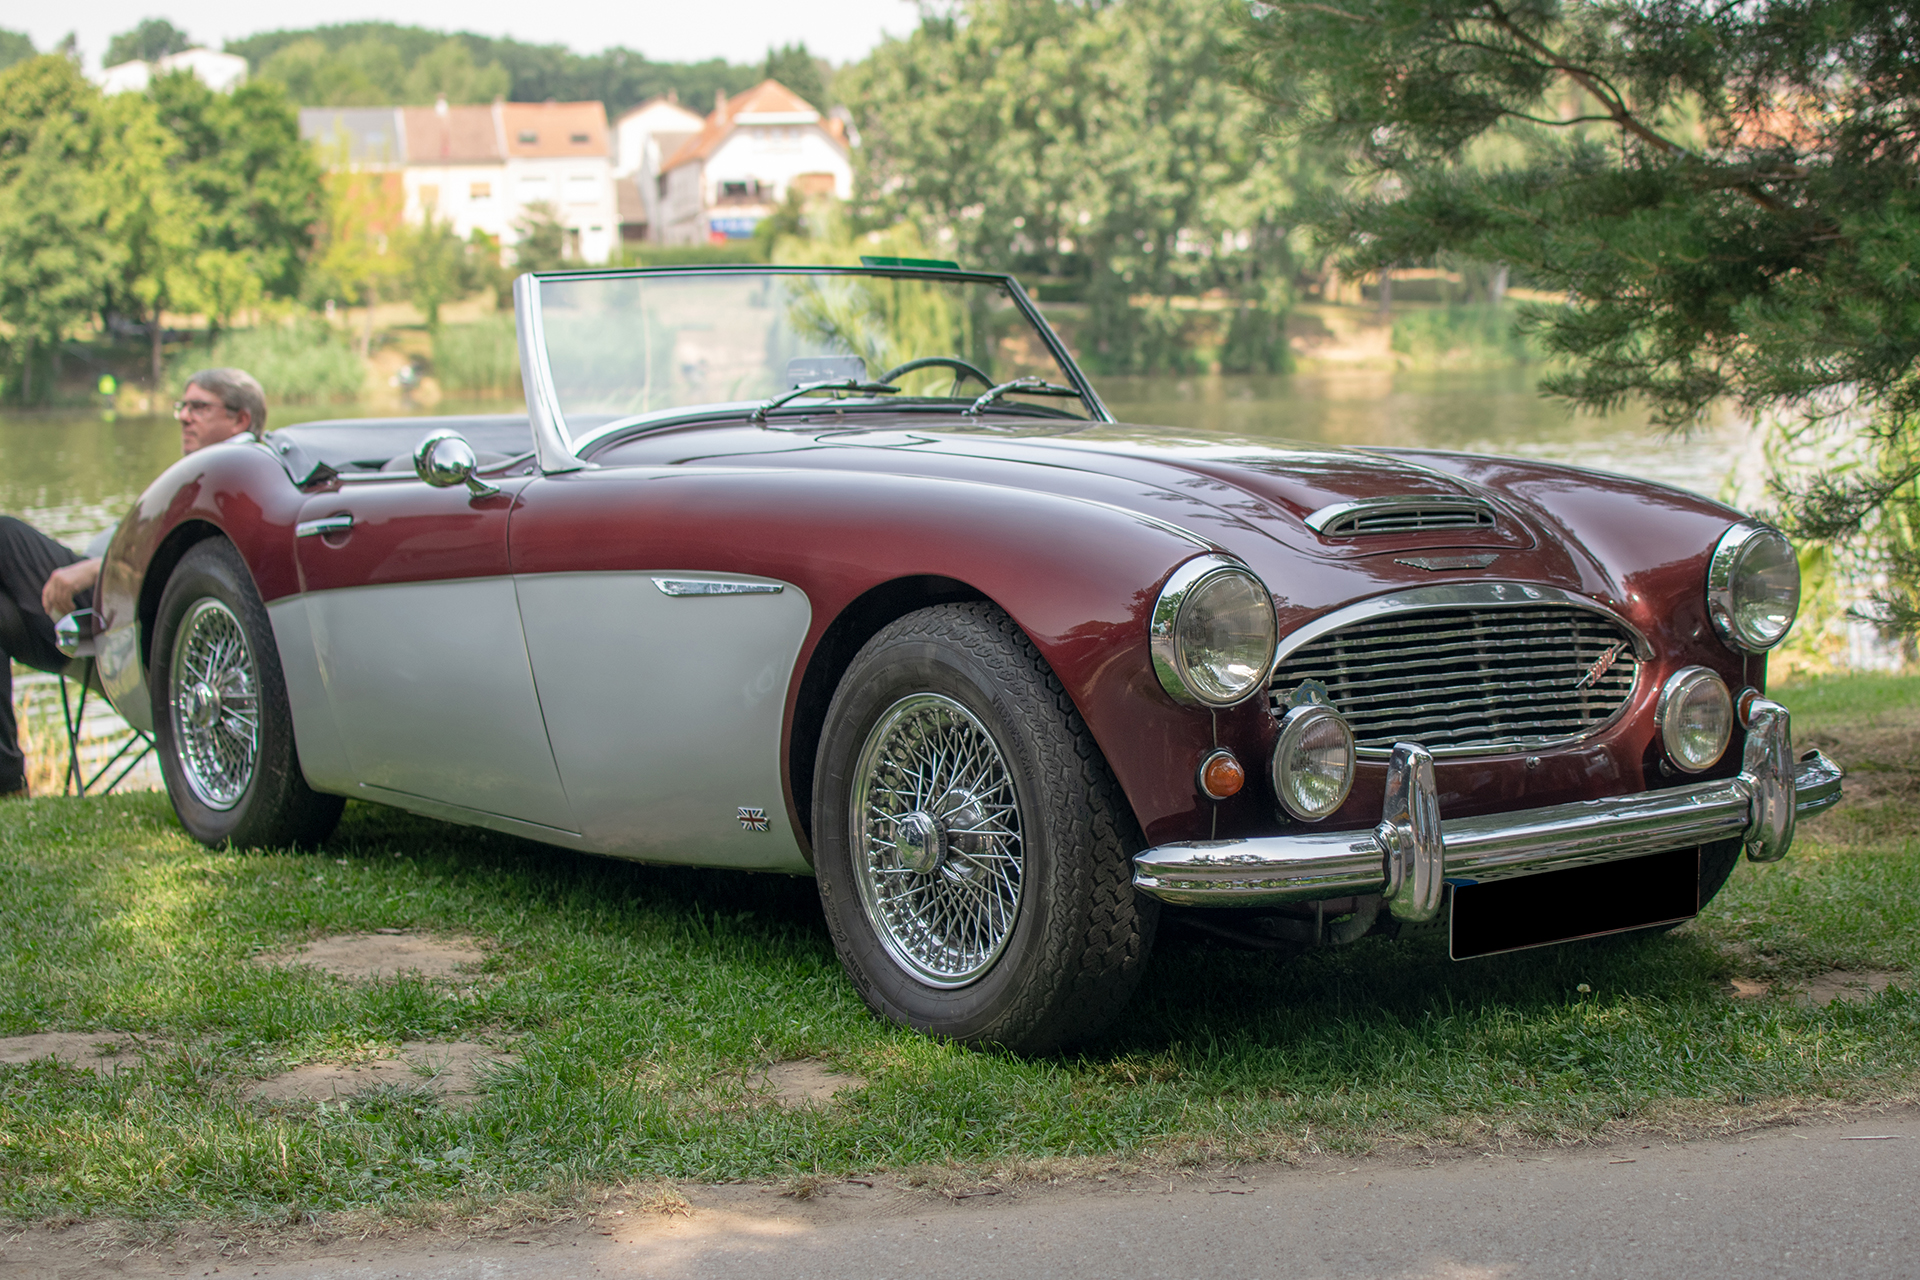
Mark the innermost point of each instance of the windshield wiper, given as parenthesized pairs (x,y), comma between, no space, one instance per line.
(843,388)
(1029,385)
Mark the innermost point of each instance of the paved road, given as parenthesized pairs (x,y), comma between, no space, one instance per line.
(1828,1201)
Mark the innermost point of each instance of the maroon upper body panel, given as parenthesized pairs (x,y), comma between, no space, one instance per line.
(1073,534)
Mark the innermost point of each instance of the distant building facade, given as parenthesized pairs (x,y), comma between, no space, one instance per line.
(479,168)
(643,137)
(221,72)
(756,147)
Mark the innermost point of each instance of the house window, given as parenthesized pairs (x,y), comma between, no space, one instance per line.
(660,186)
(582,190)
(480,191)
(579,139)
(429,195)
(529,136)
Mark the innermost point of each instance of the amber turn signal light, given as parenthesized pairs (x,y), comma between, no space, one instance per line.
(1221,775)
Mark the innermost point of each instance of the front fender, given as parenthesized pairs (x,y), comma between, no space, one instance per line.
(237,490)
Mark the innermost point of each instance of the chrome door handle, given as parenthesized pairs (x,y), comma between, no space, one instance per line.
(323,527)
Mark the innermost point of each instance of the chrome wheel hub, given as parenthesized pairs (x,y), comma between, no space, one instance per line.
(216,728)
(937,846)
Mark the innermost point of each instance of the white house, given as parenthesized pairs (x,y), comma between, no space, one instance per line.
(755,148)
(220,71)
(479,167)
(643,137)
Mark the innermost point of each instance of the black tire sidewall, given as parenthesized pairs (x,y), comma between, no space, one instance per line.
(1012,1002)
(277,808)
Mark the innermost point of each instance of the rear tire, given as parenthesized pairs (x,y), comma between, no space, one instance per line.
(973,851)
(222,725)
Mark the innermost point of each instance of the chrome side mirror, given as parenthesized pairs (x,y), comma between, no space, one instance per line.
(445,459)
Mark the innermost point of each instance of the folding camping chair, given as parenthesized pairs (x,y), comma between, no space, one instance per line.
(74,634)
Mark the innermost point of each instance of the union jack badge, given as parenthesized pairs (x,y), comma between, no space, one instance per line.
(753,819)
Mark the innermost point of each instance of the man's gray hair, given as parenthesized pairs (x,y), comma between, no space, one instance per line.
(238,390)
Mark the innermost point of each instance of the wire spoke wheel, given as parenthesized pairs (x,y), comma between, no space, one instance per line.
(215,709)
(937,842)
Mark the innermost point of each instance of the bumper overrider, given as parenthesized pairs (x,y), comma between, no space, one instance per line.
(1413,852)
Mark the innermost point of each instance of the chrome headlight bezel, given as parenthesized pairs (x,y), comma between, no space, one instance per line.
(1732,558)
(1187,587)
(1674,696)
(1294,727)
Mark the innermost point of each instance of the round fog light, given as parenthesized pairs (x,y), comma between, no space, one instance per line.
(1696,718)
(1313,762)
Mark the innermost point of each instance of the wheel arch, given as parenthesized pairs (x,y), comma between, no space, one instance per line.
(166,557)
(856,624)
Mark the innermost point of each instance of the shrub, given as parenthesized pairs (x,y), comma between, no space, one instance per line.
(300,363)
(1461,336)
(478,357)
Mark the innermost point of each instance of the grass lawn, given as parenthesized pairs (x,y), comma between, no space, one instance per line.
(644,1003)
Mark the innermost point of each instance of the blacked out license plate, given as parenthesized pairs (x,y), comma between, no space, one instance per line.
(1584,902)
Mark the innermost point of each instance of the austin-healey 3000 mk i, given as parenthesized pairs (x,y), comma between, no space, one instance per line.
(847,572)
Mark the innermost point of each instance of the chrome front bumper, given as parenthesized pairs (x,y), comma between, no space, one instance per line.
(1413,852)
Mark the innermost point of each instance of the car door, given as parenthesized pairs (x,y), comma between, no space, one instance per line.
(663,668)
(417,641)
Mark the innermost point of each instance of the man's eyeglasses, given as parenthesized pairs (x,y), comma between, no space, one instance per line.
(196,408)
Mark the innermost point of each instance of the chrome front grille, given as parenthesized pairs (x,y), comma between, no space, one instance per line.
(1467,680)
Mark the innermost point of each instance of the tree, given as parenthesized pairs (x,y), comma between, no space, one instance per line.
(357,259)
(1103,146)
(368,64)
(542,245)
(151,40)
(1727,194)
(151,223)
(15,46)
(440,266)
(254,183)
(52,241)
(448,71)
(800,71)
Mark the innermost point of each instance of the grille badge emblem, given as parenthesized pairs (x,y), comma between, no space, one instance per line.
(1602,665)
(1433,564)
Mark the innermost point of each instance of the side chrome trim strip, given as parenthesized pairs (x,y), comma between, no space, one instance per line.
(552,446)
(1408,855)
(715,587)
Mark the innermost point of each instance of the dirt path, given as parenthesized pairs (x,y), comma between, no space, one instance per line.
(1829,1200)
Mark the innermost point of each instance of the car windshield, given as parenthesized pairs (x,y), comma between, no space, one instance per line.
(633,344)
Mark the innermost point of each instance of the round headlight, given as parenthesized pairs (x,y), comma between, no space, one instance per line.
(1753,586)
(1313,762)
(1213,633)
(1696,718)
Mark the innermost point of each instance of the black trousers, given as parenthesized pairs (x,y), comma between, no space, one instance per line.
(27,558)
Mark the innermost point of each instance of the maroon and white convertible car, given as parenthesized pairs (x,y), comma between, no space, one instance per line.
(847,572)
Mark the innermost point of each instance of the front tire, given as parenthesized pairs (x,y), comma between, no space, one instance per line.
(222,725)
(973,852)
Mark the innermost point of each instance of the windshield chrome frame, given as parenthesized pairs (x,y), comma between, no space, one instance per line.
(556,450)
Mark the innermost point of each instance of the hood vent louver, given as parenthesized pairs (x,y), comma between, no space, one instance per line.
(1413,513)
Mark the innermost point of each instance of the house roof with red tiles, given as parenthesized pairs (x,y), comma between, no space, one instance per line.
(443,134)
(768,102)
(553,130)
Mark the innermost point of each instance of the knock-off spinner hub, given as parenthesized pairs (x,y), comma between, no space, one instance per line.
(921,842)
(202,705)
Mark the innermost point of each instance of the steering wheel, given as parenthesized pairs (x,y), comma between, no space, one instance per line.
(961,370)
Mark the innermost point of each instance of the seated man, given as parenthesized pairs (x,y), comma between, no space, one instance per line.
(42,581)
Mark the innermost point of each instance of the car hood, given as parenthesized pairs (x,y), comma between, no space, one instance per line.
(1217,488)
